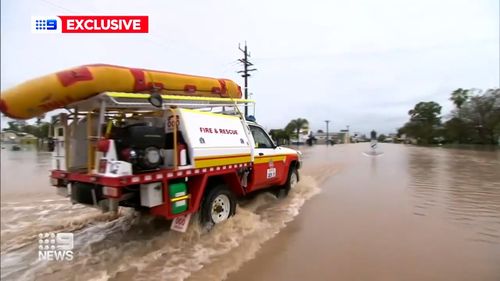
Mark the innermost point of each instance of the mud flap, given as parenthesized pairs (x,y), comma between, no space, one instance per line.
(181,223)
(244,179)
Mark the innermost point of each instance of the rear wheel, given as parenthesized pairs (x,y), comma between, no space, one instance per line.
(291,182)
(219,204)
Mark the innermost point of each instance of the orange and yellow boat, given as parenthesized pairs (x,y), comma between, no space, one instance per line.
(57,90)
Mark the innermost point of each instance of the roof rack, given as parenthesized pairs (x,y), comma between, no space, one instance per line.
(139,101)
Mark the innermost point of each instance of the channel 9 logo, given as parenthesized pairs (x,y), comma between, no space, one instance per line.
(50,24)
(55,246)
(45,25)
(90,24)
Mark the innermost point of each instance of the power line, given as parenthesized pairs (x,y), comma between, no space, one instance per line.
(246,64)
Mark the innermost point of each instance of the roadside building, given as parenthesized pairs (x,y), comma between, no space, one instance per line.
(333,137)
(18,138)
(358,137)
(303,136)
(8,137)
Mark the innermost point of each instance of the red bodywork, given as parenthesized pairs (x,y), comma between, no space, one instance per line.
(196,183)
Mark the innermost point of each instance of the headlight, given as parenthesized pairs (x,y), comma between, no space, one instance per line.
(299,154)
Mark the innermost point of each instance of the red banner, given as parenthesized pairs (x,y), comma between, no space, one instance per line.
(105,24)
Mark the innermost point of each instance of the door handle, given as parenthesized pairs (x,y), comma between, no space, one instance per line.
(260,153)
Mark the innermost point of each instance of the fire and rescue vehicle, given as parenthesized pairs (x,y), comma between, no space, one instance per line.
(168,155)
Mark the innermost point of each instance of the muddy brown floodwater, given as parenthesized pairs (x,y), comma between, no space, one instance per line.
(412,213)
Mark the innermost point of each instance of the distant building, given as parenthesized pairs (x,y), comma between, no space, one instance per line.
(18,137)
(303,136)
(406,140)
(335,137)
(391,138)
(8,137)
(358,137)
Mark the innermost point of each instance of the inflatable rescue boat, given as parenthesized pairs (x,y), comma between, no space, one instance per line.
(38,96)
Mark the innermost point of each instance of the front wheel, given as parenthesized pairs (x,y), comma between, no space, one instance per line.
(219,204)
(291,182)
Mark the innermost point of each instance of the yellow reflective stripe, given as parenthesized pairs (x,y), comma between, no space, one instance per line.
(266,159)
(221,156)
(204,163)
(180,198)
(173,97)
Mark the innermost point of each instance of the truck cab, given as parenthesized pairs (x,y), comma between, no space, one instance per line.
(169,158)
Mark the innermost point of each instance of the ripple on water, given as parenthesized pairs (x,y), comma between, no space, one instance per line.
(465,184)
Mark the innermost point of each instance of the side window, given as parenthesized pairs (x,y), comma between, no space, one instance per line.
(261,138)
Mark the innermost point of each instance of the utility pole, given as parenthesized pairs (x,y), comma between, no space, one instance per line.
(327,121)
(245,71)
(348,136)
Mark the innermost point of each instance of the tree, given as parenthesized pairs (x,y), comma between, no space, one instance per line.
(476,119)
(297,125)
(280,136)
(482,112)
(427,112)
(381,138)
(16,126)
(459,97)
(424,122)
(40,130)
(456,130)
(44,129)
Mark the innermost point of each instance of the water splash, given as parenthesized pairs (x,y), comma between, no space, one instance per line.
(137,247)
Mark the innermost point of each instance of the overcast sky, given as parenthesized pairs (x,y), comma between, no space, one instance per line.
(358,63)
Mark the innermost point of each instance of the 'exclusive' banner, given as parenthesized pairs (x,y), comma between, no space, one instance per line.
(90,24)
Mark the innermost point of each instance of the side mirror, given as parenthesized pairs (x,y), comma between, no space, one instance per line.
(155,99)
(275,144)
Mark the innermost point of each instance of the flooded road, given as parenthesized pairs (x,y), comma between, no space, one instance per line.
(410,214)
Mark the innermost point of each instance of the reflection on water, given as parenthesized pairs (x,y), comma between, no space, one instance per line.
(25,174)
(465,183)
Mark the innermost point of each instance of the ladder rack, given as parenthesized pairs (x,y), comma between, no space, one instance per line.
(139,102)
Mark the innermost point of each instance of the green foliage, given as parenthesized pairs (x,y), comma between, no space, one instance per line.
(476,119)
(280,136)
(296,125)
(459,97)
(426,112)
(15,126)
(458,131)
(424,122)
(381,138)
(292,129)
(481,116)
(41,130)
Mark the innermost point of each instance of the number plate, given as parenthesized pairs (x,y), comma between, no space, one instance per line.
(271,173)
(181,223)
